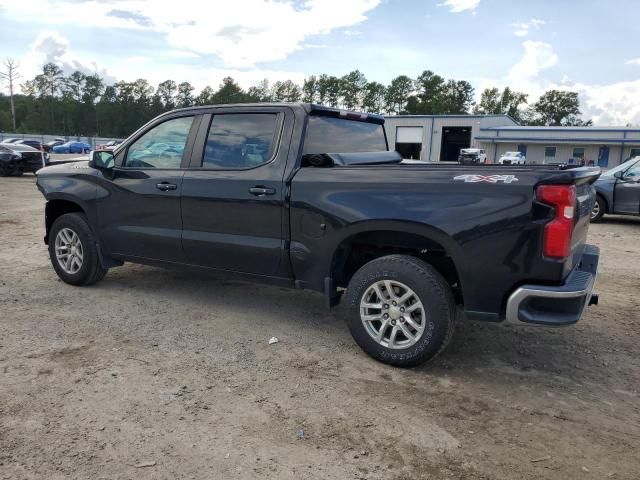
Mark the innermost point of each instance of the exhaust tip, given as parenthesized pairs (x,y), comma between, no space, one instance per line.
(594,299)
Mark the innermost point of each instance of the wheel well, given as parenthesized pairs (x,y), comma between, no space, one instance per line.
(363,247)
(56,208)
(604,200)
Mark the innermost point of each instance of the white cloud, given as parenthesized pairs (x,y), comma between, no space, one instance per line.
(524,75)
(607,105)
(523,29)
(457,6)
(635,61)
(52,47)
(242,33)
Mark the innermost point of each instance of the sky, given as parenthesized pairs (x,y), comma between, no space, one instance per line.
(589,46)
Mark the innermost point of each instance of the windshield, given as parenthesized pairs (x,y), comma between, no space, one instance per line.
(339,135)
(621,167)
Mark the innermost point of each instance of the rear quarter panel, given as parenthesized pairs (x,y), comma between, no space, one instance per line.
(492,230)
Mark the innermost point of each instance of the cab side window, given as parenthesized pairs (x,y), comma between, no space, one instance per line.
(238,141)
(160,147)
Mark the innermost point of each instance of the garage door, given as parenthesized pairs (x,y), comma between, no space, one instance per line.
(409,135)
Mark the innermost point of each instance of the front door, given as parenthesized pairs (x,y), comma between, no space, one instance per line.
(139,200)
(233,195)
(627,193)
(603,157)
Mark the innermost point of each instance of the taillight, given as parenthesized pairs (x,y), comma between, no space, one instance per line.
(558,232)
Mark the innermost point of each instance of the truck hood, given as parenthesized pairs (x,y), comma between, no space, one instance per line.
(62,168)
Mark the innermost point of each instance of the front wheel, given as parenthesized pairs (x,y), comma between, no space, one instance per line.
(73,250)
(400,310)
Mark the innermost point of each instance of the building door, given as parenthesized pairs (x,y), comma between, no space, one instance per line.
(603,157)
(522,149)
(409,142)
(454,139)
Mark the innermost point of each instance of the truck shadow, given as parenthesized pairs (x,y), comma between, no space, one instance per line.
(572,355)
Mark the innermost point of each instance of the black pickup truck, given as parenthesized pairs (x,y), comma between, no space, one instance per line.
(309,197)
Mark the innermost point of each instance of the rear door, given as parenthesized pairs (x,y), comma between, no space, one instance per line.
(233,192)
(627,191)
(139,200)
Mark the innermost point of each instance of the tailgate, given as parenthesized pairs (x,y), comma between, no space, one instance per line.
(585,198)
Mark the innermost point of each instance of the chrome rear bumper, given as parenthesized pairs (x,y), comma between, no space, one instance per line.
(556,305)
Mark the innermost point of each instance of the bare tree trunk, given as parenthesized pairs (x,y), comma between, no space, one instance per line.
(11,75)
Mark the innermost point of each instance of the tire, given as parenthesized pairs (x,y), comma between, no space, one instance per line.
(90,270)
(435,314)
(599,209)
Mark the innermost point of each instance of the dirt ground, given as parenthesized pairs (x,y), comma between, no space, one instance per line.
(157,374)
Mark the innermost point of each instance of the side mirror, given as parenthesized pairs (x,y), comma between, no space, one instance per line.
(102,159)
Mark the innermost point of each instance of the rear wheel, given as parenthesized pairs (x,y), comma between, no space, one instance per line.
(73,251)
(599,209)
(400,310)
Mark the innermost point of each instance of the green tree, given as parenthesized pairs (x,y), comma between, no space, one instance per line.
(508,102)
(352,87)
(557,107)
(374,94)
(260,92)
(167,91)
(229,92)
(310,89)
(286,91)
(398,93)
(430,89)
(185,94)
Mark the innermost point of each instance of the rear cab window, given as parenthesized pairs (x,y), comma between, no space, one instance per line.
(238,141)
(327,134)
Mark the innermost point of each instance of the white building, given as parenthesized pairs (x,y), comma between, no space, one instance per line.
(440,138)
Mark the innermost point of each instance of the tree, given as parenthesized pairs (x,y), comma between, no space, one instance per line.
(229,92)
(430,89)
(398,93)
(310,89)
(167,91)
(49,84)
(11,75)
(260,92)
(556,107)
(185,94)
(352,87)
(286,91)
(374,94)
(457,97)
(508,102)
(205,97)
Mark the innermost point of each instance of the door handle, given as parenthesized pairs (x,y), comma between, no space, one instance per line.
(165,186)
(259,191)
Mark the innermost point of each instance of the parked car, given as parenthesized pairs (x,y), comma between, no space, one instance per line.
(512,158)
(309,197)
(472,156)
(618,191)
(72,147)
(54,143)
(37,144)
(15,159)
(11,140)
(110,145)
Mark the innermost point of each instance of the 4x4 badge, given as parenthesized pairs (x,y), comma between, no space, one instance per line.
(486,178)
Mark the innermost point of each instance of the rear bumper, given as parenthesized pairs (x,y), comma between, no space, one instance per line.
(556,305)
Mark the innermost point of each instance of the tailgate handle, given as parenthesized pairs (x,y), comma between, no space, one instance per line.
(166,186)
(259,191)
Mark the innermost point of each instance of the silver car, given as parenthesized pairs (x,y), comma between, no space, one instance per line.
(618,190)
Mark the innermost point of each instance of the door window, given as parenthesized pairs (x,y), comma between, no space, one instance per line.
(238,141)
(160,147)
